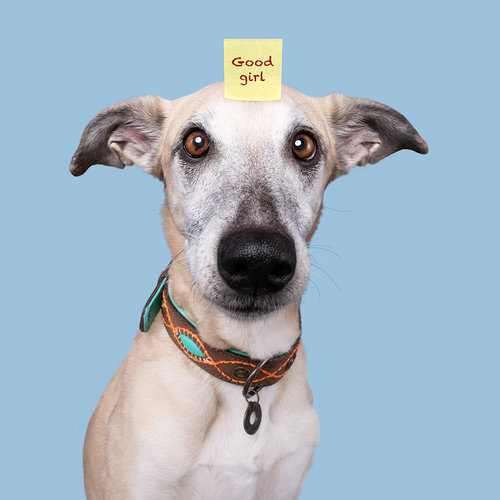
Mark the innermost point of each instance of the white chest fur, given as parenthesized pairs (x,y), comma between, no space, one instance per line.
(227,463)
(271,464)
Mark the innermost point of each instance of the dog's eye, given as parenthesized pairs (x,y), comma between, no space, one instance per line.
(196,143)
(304,146)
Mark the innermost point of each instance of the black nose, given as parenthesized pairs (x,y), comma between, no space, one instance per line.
(256,262)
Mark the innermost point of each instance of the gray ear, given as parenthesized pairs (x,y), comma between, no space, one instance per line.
(366,132)
(128,132)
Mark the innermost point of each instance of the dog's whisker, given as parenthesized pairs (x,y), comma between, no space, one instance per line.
(321,258)
(179,257)
(180,260)
(191,292)
(316,288)
(326,248)
(339,209)
(328,282)
(311,256)
(326,276)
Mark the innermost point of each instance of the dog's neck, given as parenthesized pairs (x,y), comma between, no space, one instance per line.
(261,338)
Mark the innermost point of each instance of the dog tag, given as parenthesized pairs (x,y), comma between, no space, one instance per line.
(253,417)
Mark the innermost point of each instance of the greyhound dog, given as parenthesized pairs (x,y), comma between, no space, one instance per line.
(212,401)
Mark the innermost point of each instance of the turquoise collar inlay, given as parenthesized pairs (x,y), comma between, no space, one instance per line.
(181,310)
(191,346)
(152,307)
(239,352)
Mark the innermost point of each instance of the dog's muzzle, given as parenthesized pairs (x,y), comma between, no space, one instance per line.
(256,262)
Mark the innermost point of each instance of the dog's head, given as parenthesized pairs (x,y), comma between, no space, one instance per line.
(244,180)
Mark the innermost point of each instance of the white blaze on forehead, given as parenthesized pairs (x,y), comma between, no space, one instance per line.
(250,123)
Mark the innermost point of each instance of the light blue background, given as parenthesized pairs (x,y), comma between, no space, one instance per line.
(403,355)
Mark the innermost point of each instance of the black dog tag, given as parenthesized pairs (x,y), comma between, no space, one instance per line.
(253,417)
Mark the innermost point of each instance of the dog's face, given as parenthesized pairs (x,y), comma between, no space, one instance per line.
(244,187)
(244,180)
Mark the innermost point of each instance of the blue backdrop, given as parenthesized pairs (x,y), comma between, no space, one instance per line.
(401,318)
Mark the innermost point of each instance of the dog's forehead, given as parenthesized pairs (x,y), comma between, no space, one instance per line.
(229,120)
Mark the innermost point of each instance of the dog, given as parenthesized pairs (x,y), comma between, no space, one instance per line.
(212,401)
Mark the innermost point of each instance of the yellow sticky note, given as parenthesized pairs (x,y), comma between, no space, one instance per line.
(252,69)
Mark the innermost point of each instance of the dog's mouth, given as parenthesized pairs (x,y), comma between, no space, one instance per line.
(244,307)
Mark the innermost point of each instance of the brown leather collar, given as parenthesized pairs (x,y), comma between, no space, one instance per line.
(226,365)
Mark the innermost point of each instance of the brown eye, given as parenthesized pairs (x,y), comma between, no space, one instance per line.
(196,143)
(304,146)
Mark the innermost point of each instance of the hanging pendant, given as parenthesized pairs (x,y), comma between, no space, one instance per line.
(253,415)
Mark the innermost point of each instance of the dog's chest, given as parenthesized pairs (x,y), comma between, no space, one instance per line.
(272,463)
(220,460)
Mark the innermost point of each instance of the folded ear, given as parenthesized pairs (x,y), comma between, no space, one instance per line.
(366,131)
(124,134)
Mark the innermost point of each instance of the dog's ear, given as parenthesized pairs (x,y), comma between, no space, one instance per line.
(124,134)
(366,132)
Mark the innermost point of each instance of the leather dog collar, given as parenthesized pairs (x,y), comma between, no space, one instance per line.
(229,365)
